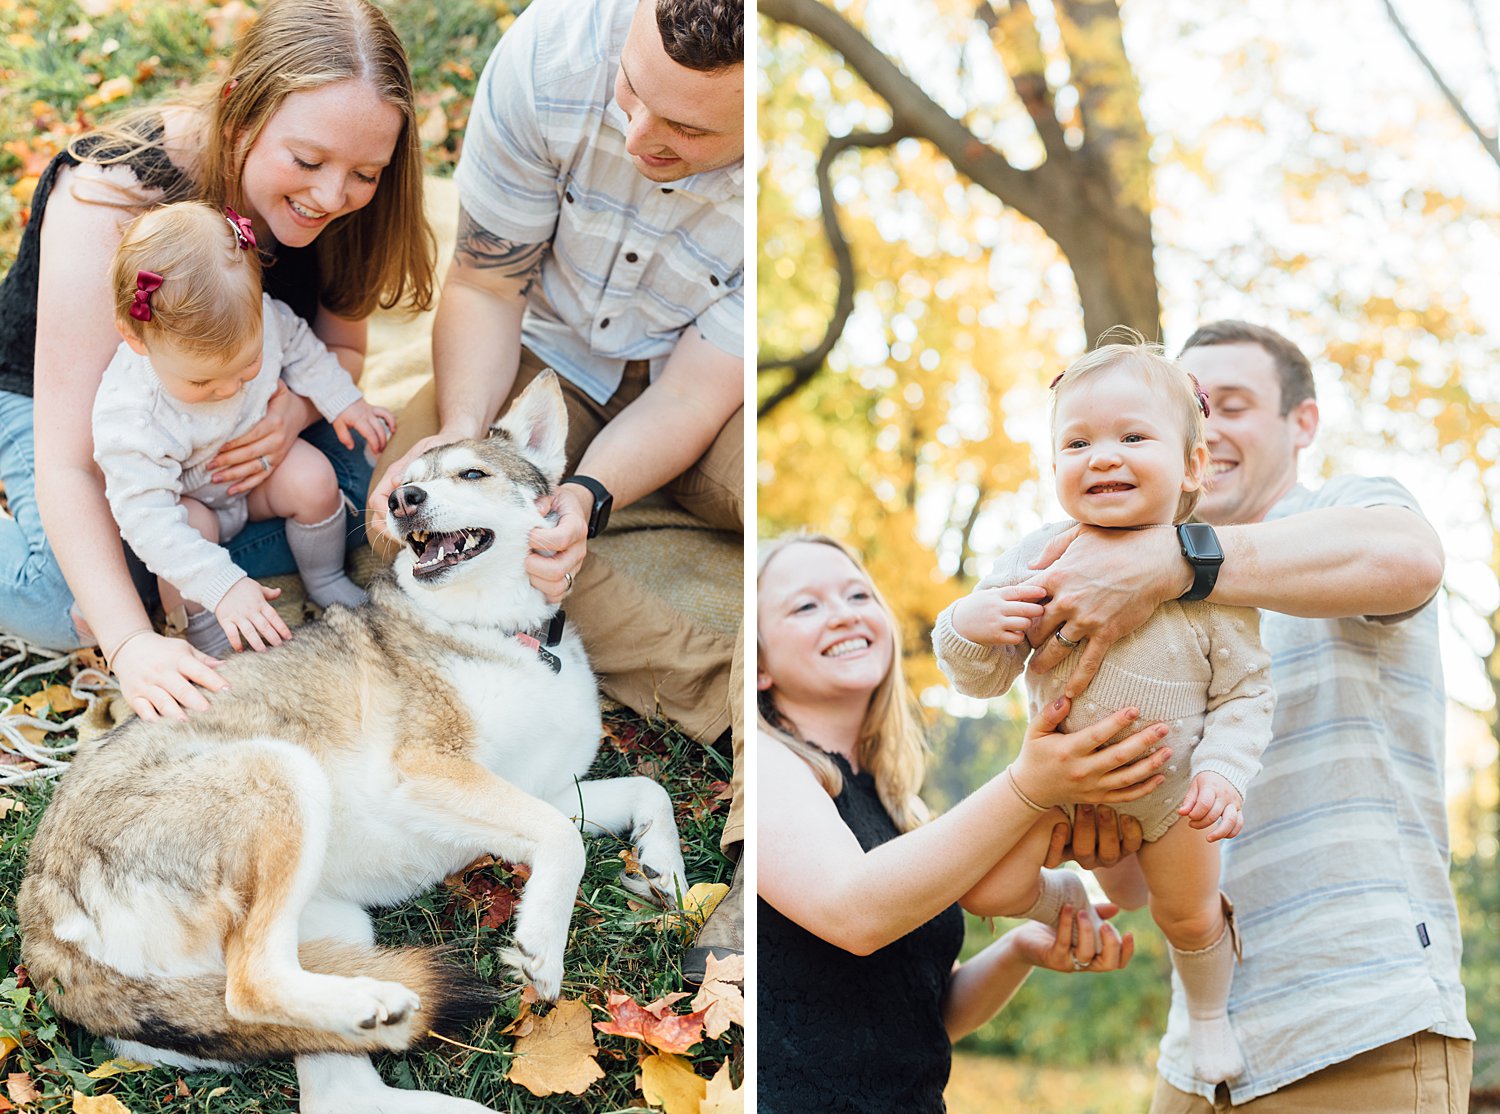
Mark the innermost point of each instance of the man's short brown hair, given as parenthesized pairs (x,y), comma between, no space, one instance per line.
(1292,368)
(703,35)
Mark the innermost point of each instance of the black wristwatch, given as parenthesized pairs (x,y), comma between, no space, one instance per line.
(603,501)
(1200,545)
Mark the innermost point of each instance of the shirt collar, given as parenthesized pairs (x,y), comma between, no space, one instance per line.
(727,183)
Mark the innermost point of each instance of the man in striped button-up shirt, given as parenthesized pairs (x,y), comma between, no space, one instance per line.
(601,233)
(1348,997)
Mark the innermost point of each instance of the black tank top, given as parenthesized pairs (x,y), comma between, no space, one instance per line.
(291,278)
(847,1034)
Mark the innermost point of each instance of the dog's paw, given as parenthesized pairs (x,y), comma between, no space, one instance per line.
(360,1005)
(657,875)
(543,971)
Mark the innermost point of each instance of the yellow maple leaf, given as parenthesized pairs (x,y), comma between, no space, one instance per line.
(556,1055)
(117,1066)
(98,1104)
(722,1096)
(720,995)
(7,1046)
(669,1081)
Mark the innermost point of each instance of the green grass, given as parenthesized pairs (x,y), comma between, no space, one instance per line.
(61,71)
(613,946)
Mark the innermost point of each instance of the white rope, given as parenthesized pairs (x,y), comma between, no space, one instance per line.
(50,756)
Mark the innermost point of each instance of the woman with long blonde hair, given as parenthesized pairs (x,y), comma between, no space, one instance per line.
(859,925)
(313,138)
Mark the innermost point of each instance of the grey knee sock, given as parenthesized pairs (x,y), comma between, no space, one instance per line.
(204,633)
(1059,888)
(1205,977)
(319,552)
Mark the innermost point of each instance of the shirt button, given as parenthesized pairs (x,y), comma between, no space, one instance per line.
(631,257)
(568,195)
(664,189)
(604,324)
(713,279)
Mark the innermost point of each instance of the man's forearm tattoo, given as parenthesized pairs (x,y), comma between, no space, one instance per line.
(480,248)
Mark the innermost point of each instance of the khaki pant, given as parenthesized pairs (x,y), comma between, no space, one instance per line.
(1420,1074)
(649,657)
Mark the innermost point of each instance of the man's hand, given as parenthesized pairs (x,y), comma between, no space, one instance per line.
(380,498)
(996,616)
(1099,837)
(1103,584)
(1214,804)
(557,551)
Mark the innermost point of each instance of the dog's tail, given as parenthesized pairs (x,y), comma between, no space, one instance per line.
(187,1016)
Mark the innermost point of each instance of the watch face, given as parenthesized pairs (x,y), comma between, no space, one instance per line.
(1199,542)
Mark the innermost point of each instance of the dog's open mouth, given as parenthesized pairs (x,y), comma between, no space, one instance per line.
(436,552)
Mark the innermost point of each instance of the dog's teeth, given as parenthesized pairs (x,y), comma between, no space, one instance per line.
(439,557)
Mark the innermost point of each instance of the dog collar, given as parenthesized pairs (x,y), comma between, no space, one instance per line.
(532,640)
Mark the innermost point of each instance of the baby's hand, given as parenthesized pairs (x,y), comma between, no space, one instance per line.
(1214,804)
(246,610)
(374,423)
(996,616)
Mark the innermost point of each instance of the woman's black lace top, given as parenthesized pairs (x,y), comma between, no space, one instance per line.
(292,278)
(847,1034)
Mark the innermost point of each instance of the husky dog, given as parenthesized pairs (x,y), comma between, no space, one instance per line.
(197,891)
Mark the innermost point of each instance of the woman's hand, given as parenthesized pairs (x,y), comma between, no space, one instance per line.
(1057,950)
(164,677)
(240,464)
(1055,769)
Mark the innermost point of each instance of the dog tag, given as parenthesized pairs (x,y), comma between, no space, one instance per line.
(555,629)
(549,659)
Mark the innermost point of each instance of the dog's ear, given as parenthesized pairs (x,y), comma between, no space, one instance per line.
(537,422)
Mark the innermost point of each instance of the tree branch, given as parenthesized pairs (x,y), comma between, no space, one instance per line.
(1486,140)
(805,366)
(1016,39)
(918,114)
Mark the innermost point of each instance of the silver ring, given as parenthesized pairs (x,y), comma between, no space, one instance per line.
(1077,966)
(265,462)
(1066,641)
(569,578)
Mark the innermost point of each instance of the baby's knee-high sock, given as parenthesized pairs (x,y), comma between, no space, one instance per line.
(204,633)
(1059,888)
(319,552)
(1206,976)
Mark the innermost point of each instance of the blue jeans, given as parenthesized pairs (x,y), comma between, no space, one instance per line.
(34,597)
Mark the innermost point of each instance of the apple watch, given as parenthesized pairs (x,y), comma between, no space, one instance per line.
(1200,545)
(603,501)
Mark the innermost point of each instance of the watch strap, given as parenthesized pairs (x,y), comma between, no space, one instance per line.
(1205,571)
(603,501)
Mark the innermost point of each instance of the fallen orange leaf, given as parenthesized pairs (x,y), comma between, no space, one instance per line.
(20,1088)
(557,1055)
(670,1033)
(671,1083)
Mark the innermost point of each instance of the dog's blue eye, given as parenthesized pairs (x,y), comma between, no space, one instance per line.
(472,474)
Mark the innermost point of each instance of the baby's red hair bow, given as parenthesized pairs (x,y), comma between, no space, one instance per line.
(146,283)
